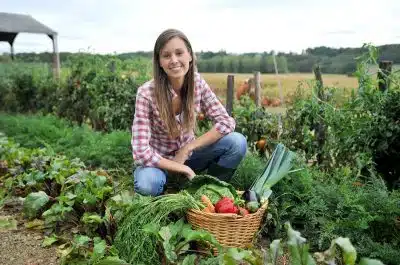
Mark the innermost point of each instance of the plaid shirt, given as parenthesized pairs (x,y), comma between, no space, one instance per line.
(150,140)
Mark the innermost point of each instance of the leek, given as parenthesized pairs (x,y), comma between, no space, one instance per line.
(278,166)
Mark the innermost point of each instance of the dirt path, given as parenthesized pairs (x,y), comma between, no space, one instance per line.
(22,246)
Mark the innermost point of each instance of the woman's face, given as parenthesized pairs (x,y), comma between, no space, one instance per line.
(175,58)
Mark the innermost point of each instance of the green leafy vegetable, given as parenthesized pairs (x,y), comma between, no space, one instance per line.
(213,192)
(278,166)
(34,202)
(135,245)
(212,187)
(176,237)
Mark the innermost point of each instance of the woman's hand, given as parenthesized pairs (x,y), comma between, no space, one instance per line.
(189,173)
(183,154)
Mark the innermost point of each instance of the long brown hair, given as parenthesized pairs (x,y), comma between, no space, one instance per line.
(162,93)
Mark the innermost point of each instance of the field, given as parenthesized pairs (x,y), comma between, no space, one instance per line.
(270,82)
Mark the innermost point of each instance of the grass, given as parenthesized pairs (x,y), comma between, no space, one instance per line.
(96,149)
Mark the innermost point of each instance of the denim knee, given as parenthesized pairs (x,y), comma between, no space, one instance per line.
(149,181)
(237,148)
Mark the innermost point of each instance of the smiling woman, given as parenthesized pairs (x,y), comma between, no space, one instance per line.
(166,108)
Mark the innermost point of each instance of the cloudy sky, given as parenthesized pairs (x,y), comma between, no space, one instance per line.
(108,26)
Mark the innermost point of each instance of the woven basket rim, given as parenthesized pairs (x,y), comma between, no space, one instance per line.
(230,215)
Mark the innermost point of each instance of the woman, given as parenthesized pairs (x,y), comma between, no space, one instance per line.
(165,117)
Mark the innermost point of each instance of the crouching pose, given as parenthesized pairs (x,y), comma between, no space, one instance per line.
(163,138)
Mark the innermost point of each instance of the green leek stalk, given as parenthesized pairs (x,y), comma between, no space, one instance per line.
(278,166)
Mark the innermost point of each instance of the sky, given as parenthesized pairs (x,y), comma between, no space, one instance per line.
(236,26)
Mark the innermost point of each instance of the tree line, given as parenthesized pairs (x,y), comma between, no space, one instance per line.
(331,60)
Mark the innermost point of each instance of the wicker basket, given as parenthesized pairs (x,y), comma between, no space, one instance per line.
(231,230)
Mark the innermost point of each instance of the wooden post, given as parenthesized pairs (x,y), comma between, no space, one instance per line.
(56,56)
(385,68)
(320,128)
(257,88)
(229,94)
(112,66)
(320,85)
(12,51)
(279,80)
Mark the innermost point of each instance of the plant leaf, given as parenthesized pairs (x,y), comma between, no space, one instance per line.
(152,228)
(7,223)
(82,240)
(35,224)
(367,261)
(99,249)
(165,233)
(298,248)
(91,218)
(348,250)
(199,235)
(48,241)
(169,251)
(189,260)
(112,261)
(275,250)
(34,202)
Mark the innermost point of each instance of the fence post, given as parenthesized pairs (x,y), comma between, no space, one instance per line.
(385,68)
(320,128)
(229,94)
(257,88)
(320,85)
(112,66)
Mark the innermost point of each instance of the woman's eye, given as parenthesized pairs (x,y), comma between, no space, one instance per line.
(166,56)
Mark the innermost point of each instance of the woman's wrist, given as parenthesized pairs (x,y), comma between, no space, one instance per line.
(172,165)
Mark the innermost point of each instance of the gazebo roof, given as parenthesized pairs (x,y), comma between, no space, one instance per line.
(12,24)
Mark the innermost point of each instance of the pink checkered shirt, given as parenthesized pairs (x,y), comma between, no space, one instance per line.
(150,140)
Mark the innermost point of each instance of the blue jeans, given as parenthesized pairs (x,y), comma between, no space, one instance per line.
(227,153)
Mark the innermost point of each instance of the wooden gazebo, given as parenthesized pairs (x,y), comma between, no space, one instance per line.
(13,24)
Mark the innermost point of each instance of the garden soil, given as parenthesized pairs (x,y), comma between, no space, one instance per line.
(22,246)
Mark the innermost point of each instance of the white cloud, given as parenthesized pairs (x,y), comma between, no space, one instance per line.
(235,26)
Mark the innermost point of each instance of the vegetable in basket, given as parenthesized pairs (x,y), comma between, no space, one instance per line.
(278,166)
(212,187)
(226,205)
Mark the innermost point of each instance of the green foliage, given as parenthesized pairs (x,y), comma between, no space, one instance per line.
(175,239)
(89,251)
(324,206)
(97,91)
(248,170)
(255,123)
(111,150)
(27,88)
(133,243)
(101,92)
(246,63)
(362,133)
(78,200)
(341,251)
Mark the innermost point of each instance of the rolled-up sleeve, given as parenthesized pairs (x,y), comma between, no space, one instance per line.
(214,109)
(143,153)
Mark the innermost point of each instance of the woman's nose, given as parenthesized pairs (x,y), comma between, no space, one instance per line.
(174,58)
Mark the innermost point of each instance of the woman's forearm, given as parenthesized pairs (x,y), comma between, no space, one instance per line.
(171,165)
(208,138)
